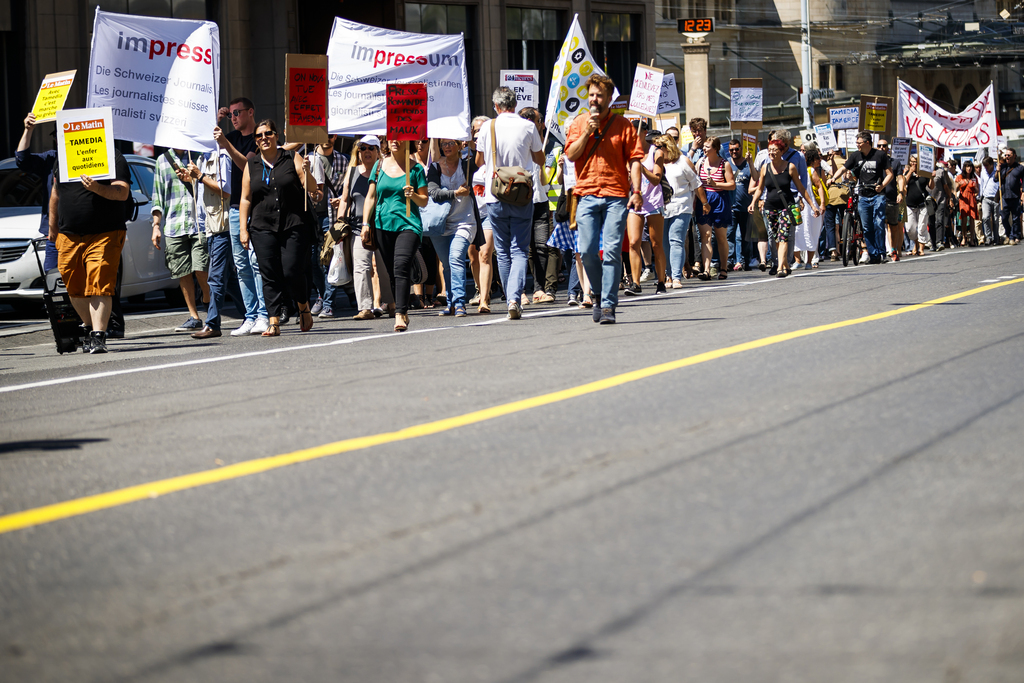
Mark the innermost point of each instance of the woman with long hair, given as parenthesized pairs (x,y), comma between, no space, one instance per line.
(652,170)
(397,235)
(968,187)
(917,207)
(682,178)
(774,183)
(272,215)
(714,212)
(448,180)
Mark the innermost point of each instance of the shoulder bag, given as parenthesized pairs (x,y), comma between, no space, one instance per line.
(434,216)
(510,184)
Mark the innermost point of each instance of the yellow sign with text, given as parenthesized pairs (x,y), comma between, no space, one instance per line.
(749,145)
(874,113)
(53,93)
(85,144)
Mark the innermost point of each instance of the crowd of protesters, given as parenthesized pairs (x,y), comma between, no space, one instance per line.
(615,207)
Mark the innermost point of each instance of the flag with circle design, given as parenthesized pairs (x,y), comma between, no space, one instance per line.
(567,97)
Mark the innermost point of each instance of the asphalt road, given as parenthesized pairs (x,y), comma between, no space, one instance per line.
(839,505)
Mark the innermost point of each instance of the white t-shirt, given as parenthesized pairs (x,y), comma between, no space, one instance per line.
(516,139)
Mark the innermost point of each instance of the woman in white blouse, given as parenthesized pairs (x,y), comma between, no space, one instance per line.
(682,177)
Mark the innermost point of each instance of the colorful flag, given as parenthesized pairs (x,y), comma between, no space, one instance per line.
(567,97)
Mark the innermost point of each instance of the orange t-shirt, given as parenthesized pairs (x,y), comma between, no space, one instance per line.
(607,171)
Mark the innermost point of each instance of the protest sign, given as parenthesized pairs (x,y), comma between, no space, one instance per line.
(844,118)
(749,142)
(526,86)
(746,98)
(159,76)
(305,98)
(53,93)
(826,138)
(567,97)
(645,95)
(669,94)
(877,114)
(365,58)
(923,120)
(407,115)
(85,144)
(666,121)
(900,150)
(925,160)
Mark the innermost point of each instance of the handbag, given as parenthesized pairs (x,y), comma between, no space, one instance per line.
(510,184)
(793,209)
(433,218)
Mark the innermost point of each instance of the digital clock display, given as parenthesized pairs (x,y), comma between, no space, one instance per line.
(697,25)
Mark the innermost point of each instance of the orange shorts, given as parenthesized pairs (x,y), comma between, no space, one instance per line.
(88,263)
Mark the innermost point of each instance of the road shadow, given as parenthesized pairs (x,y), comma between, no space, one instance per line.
(45,445)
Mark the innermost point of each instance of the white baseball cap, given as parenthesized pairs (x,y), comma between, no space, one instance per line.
(371,140)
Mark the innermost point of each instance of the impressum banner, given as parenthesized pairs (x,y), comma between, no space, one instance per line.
(159,76)
(364,59)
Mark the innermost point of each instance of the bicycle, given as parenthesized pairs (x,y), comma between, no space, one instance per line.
(852,233)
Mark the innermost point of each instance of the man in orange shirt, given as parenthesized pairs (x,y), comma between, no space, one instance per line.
(607,153)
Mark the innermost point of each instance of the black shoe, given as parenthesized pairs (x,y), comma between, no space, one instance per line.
(632,289)
(607,316)
(283,320)
(87,341)
(774,269)
(597,311)
(99,341)
(660,289)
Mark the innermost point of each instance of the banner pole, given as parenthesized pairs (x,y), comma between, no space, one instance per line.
(405,156)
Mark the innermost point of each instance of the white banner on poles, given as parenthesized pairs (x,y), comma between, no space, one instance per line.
(364,59)
(923,120)
(567,97)
(159,76)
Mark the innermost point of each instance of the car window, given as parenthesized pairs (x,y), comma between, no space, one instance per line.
(18,188)
(144,178)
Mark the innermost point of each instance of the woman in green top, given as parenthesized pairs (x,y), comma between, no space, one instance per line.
(397,235)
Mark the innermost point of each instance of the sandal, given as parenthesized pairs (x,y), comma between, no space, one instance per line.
(722,275)
(460,311)
(273,330)
(416,301)
(703,276)
(401,322)
(305,320)
(483,309)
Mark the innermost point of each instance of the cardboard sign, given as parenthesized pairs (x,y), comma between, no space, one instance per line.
(746,100)
(899,149)
(749,141)
(666,121)
(844,118)
(526,86)
(925,160)
(85,144)
(645,96)
(305,98)
(407,111)
(877,114)
(669,94)
(826,138)
(53,93)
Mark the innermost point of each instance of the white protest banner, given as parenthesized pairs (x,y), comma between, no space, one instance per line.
(844,118)
(826,138)
(567,97)
(925,160)
(900,150)
(526,86)
(85,144)
(159,76)
(923,120)
(645,95)
(363,59)
(669,94)
(746,97)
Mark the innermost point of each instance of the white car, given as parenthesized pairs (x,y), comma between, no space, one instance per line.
(21,197)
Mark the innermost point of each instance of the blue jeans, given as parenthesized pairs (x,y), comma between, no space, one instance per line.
(452,251)
(602,221)
(832,217)
(219,248)
(512,227)
(739,246)
(249,280)
(675,238)
(872,221)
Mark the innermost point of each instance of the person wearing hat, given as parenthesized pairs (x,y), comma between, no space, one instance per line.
(354,188)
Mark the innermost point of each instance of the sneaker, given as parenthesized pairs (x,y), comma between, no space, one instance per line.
(190,325)
(660,289)
(864,258)
(607,316)
(515,311)
(86,341)
(597,314)
(573,302)
(646,275)
(632,289)
(677,284)
(317,307)
(260,326)
(475,300)
(325,312)
(99,341)
(244,329)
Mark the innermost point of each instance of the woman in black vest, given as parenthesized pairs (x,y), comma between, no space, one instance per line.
(273,215)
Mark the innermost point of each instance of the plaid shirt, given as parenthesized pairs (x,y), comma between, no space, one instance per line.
(173,200)
(333,184)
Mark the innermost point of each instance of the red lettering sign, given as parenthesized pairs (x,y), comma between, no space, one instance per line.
(407,111)
(307,97)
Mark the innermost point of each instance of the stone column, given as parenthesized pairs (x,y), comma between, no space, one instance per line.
(695,75)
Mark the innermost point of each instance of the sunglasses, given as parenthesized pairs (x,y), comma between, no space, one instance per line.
(449,144)
(235,113)
(367,148)
(268,134)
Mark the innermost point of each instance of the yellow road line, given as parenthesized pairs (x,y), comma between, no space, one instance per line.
(131,494)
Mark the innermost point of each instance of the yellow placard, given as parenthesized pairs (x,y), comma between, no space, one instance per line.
(52,95)
(85,143)
(874,115)
(749,145)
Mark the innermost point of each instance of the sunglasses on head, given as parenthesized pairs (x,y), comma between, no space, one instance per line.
(267,134)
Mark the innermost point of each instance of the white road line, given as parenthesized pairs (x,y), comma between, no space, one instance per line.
(1007,277)
(985,282)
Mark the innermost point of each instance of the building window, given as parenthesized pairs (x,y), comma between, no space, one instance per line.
(823,74)
(177,9)
(534,40)
(839,77)
(671,9)
(616,45)
(449,20)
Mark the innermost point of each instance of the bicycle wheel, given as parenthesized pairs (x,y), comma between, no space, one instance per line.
(846,237)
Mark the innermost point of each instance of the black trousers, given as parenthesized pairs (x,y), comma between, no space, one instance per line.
(539,249)
(284,266)
(1011,219)
(398,249)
